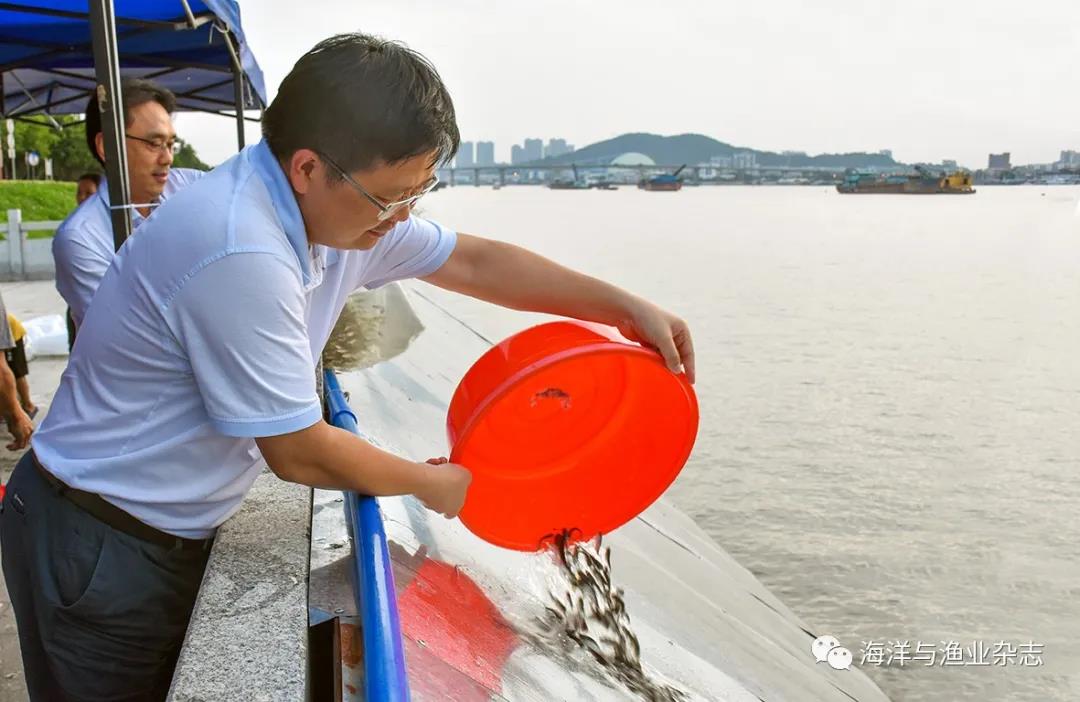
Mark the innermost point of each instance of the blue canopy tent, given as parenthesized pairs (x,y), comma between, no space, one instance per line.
(47,61)
(55,53)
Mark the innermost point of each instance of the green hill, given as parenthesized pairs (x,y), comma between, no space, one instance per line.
(698,148)
(39,200)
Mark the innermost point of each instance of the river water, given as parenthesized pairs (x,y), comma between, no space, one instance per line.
(890,398)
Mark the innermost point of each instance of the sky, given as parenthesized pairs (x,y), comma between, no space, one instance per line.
(930,80)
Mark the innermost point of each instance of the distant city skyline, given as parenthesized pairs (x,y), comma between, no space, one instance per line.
(486,153)
(932,81)
(534,149)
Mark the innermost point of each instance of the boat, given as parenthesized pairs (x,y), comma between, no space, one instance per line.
(665,182)
(922,182)
(566,184)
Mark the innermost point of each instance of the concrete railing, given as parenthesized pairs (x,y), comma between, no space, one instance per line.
(23,258)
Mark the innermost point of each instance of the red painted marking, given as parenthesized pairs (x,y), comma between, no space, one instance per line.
(457,622)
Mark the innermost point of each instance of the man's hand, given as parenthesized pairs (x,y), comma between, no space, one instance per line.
(519,279)
(652,326)
(21,428)
(445,489)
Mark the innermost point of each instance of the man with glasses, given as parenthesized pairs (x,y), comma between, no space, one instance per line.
(196,362)
(83,245)
(386,209)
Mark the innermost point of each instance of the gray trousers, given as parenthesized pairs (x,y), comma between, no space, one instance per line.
(101,615)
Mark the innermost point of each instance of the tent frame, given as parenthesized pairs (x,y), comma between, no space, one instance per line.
(104,43)
(107,69)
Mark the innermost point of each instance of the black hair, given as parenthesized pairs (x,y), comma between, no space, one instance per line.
(362,100)
(95,177)
(133,92)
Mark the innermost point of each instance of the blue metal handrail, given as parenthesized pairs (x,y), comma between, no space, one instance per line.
(376,599)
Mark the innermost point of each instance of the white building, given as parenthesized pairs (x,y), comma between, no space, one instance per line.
(464,158)
(744,160)
(485,153)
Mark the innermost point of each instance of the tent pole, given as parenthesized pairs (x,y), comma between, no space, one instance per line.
(189,14)
(107,70)
(238,89)
(189,21)
(3,146)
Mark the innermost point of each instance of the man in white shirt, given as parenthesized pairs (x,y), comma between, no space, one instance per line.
(197,360)
(83,246)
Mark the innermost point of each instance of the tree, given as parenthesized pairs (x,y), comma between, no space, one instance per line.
(38,136)
(70,156)
(186,157)
(67,149)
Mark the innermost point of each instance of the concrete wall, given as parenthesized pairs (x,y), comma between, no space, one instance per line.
(22,258)
(248,635)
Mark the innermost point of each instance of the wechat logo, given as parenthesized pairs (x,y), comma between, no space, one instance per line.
(827,649)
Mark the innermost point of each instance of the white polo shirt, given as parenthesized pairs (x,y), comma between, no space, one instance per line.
(83,246)
(204,334)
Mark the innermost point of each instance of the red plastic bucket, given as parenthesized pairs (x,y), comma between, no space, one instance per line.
(567,425)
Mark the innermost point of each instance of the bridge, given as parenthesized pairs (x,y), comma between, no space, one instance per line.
(502,173)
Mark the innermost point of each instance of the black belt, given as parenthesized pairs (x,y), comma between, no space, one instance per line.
(117,518)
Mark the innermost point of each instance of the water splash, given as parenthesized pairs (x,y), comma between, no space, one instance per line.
(373,326)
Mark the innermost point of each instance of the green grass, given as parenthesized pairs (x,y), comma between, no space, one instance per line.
(39,200)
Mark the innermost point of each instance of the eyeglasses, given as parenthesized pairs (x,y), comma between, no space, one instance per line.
(389,209)
(156,145)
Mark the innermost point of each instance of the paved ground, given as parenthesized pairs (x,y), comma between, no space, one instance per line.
(25,300)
